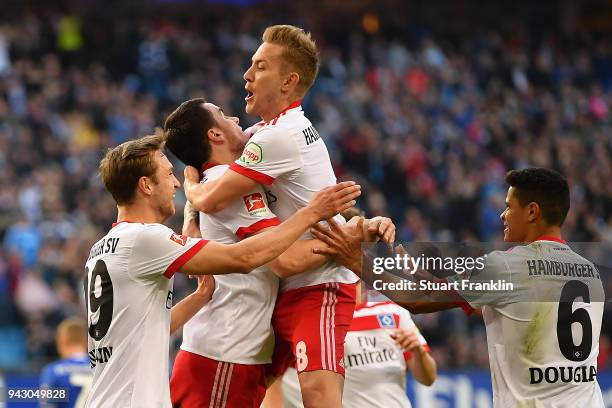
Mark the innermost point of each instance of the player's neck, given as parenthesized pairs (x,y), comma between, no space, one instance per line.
(544,231)
(279,107)
(223,156)
(139,213)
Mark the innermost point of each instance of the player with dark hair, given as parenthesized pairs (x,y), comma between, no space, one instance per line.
(543,334)
(286,153)
(230,340)
(129,272)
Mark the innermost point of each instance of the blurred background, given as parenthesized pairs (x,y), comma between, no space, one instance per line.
(426,104)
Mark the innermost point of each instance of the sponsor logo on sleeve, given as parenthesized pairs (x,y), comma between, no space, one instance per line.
(386,321)
(179,239)
(255,204)
(252,154)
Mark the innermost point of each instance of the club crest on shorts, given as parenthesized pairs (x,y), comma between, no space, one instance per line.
(386,321)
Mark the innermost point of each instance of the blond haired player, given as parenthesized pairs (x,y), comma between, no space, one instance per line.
(128,282)
(72,371)
(230,340)
(313,310)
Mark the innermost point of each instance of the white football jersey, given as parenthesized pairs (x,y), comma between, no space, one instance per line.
(235,325)
(128,291)
(375,365)
(288,155)
(542,352)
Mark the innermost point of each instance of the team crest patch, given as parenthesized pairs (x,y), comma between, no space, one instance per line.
(179,239)
(386,321)
(255,204)
(252,154)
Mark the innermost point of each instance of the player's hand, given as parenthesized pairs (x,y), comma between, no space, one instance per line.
(206,287)
(334,199)
(383,228)
(407,340)
(250,131)
(192,175)
(343,244)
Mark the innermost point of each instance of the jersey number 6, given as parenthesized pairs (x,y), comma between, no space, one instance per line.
(566,317)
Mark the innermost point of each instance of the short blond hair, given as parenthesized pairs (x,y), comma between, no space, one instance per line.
(300,51)
(74,331)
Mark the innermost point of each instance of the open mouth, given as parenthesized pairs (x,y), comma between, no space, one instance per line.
(248,96)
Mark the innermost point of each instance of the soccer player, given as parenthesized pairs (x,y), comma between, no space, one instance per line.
(128,279)
(232,332)
(72,371)
(543,335)
(382,344)
(313,310)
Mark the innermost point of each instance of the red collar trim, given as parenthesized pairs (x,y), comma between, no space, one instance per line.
(121,222)
(551,238)
(210,165)
(293,105)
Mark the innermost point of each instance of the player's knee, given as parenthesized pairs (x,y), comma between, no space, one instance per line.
(321,389)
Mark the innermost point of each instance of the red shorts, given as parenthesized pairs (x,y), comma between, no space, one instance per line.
(310,325)
(200,382)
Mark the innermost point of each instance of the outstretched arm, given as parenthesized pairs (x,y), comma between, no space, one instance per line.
(253,252)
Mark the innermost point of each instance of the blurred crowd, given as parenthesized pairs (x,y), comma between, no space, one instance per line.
(427,123)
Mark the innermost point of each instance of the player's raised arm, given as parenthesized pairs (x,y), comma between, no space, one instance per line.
(215,195)
(252,252)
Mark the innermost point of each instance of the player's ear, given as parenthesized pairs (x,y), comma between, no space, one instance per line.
(145,184)
(215,135)
(533,211)
(291,82)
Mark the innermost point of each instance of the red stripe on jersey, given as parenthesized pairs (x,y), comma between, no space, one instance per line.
(182,260)
(293,105)
(256,227)
(121,222)
(209,165)
(252,174)
(459,300)
(551,238)
(371,322)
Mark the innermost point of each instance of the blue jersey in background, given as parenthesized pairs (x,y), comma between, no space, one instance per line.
(73,373)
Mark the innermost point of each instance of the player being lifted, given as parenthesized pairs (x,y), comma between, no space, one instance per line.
(128,276)
(230,339)
(313,310)
(543,336)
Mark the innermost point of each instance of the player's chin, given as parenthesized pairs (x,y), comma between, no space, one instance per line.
(249,107)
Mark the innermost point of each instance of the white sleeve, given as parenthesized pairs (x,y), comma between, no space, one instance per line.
(158,250)
(271,153)
(495,269)
(249,214)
